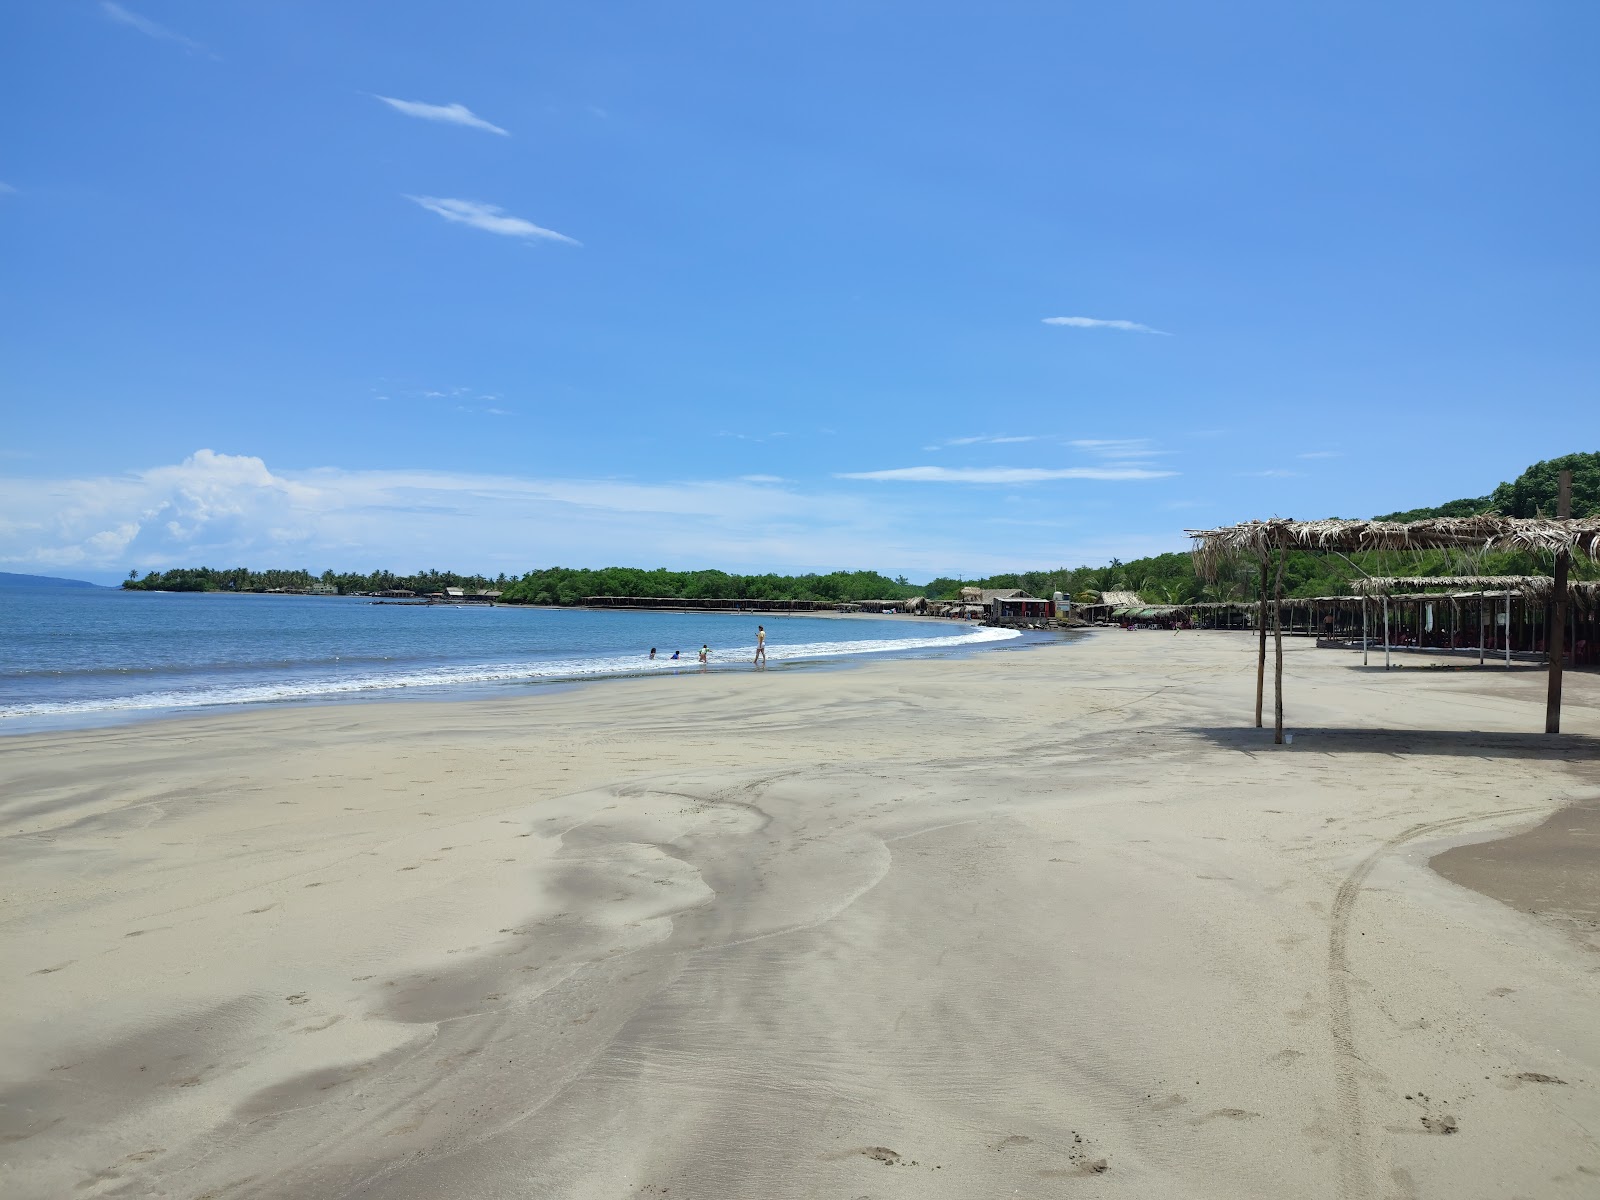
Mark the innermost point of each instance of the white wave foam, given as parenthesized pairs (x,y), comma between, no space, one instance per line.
(541,671)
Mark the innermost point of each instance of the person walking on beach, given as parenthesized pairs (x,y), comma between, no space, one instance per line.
(761,645)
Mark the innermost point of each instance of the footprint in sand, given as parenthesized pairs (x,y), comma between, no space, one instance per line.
(1085,1160)
(298,998)
(54,969)
(1230,1114)
(887,1157)
(1015,1139)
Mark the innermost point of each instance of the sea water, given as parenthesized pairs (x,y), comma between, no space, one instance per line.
(81,655)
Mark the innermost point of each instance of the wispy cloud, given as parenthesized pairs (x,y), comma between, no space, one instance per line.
(985,440)
(752,437)
(1118,448)
(1097,323)
(1272,473)
(149,28)
(762,479)
(7,190)
(1321,454)
(490,219)
(1001,474)
(450,114)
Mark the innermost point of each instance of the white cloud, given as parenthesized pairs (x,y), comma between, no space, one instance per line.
(1118,448)
(1321,454)
(986,440)
(149,28)
(7,190)
(1002,474)
(489,219)
(1097,323)
(225,509)
(1273,473)
(450,114)
(762,479)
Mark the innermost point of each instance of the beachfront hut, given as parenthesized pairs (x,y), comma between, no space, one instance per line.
(1513,613)
(1106,608)
(1012,604)
(1267,542)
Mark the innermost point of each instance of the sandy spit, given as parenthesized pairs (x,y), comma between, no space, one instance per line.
(1051,923)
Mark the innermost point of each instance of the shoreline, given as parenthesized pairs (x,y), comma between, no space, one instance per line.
(446,691)
(925,928)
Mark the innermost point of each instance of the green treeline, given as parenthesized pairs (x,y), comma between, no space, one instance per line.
(242,579)
(569,585)
(1162,579)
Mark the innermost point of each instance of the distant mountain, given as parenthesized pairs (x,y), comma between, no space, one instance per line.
(1531,494)
(8,580)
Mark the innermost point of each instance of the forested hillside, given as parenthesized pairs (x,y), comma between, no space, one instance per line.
(1531,494)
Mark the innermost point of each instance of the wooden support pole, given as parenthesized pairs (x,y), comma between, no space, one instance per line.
(1555,632)
(1363,631)
(1386,633)
(1480,631)
(1277,637)
(1508,631)
(1261,654)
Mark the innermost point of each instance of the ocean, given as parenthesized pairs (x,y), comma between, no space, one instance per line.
(73,656)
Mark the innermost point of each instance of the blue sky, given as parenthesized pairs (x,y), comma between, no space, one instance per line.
(500,285)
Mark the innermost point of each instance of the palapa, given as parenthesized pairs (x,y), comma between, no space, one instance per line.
(1393,584)
(1252,539)
(1531,587)
(1563,537)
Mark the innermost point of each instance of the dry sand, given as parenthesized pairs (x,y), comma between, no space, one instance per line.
(1048,923)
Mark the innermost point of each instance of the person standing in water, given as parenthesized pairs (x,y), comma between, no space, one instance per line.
(761,645)
(705,653)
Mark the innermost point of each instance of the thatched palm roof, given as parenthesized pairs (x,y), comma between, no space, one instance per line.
(1388,585)
(1254,538)
(1532,587)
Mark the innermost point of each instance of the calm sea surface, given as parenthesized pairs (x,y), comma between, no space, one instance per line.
(79,655)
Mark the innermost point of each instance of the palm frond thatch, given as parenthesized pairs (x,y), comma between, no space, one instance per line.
(1389,585)
(1255,538)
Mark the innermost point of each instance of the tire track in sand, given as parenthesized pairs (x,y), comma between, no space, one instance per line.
(1354,1158)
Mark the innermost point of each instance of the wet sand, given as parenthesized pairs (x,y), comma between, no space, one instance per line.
(1046,923)
(1552,871)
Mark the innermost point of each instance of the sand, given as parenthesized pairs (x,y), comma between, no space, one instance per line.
(1040,923)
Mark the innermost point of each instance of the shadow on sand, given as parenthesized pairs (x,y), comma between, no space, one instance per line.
(1574,747)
